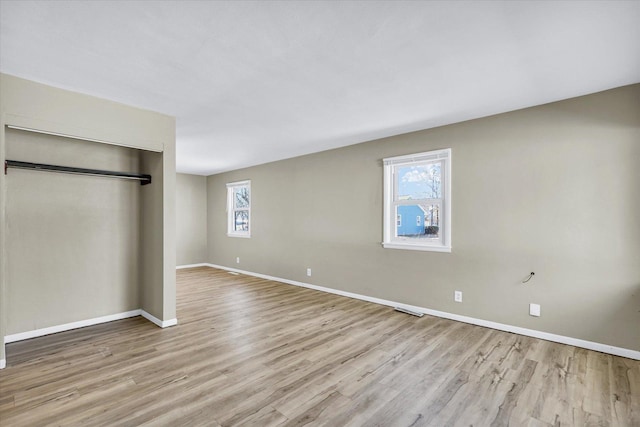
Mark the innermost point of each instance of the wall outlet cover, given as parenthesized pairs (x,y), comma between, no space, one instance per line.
(309,272)
(237,260)
(457,296)
(534,310)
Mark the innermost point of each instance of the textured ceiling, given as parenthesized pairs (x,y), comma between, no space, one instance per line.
(252,82)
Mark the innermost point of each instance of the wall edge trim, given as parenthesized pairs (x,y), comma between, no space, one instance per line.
(576,342)
(202,264)
(161,323)
(21,336)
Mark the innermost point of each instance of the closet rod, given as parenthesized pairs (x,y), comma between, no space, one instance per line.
(143,178)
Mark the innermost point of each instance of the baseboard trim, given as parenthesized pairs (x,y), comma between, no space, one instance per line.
(68,326)
(202,264)
(161,323)
(3,363)
(590,345)
(89,322)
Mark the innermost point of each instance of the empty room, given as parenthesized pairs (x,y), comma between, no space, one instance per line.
(322,213)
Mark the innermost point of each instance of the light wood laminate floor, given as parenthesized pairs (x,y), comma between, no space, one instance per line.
(249,351)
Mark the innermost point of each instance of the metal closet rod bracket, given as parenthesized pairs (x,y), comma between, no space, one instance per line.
(143,178)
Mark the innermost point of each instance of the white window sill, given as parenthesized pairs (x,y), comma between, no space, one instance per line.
(244,236)
(413,247)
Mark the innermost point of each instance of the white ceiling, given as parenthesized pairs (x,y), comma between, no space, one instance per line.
(253,82)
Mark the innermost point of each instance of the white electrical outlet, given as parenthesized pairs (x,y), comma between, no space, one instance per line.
(237,260)
(534,310)
(309,272)
(457,296)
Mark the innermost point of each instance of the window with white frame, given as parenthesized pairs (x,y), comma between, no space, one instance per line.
(239,209)
(418,185)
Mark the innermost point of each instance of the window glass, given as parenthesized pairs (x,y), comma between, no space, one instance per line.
(242,197)
(419,182)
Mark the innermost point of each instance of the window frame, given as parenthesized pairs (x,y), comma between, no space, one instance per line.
(231,209)
(390,166)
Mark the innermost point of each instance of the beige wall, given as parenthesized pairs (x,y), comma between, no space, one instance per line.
(72,241)
(152,234)
(553,189)
(43,108)
(191,219)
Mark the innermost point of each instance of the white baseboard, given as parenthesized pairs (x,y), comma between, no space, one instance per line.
(161,323)
(89,322)
(604,348)
(3,363)
(179,267)
(68,326)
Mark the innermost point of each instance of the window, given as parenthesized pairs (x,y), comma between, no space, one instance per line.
(418,185)
(239,209)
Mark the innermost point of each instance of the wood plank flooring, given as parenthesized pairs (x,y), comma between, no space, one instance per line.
(253,352)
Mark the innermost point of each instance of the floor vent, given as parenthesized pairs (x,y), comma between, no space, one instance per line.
(404,310)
